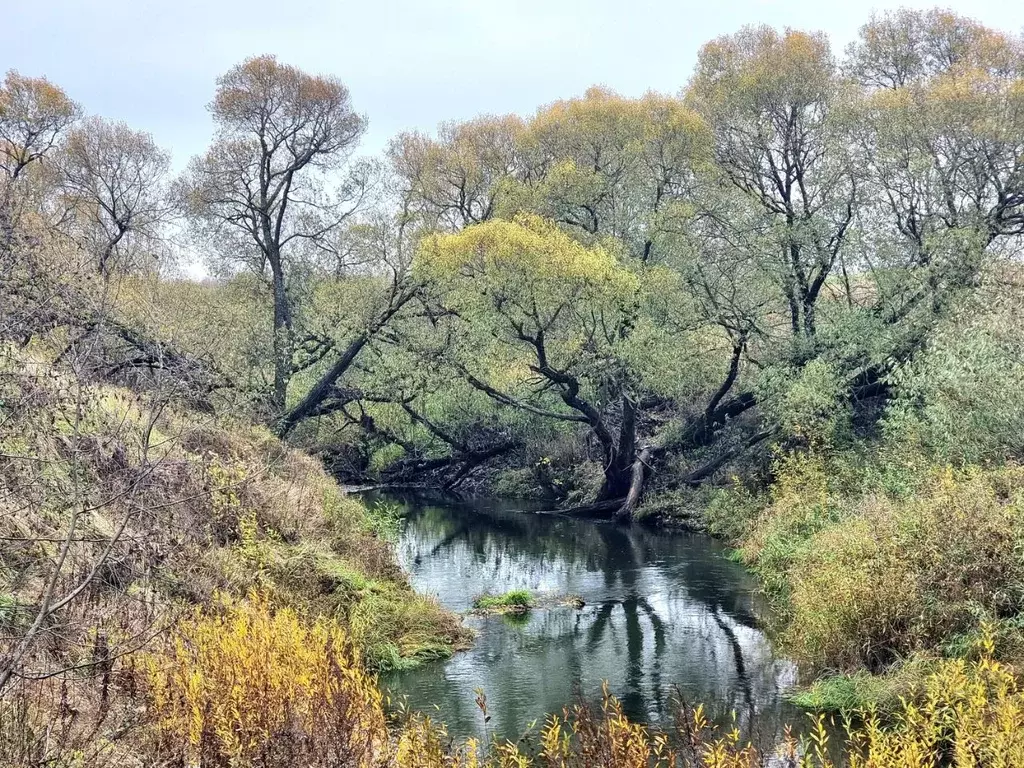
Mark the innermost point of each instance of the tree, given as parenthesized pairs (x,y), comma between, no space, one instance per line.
(608,166)
(906,46)
(113,181)
(545,315)
(266,193)
(457,179)
(945,146)
(34,114)
(380,246)
(776,107)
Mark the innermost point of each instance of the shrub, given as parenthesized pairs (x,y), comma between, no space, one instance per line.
(895,577)
(970,714)
(251,686)
(801,502)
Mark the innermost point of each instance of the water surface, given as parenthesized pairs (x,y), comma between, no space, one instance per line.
(666,614)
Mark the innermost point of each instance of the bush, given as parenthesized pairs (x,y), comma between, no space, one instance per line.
(251,686)
(800,503)
(897,577)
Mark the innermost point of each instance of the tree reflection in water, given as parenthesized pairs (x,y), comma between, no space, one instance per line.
(665,613)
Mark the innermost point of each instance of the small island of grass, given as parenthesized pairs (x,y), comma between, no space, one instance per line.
(514,601)
(519,601)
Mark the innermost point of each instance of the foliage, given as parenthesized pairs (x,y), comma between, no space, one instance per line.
(250,686)
(960,397)
(399,631)
(33,114)
(894,578)
(525,266)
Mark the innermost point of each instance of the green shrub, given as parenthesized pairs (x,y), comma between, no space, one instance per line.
(895,577)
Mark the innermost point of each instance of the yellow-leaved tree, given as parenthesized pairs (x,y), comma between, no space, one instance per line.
(540,322)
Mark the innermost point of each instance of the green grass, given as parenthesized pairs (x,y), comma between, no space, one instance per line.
(515,600)
(862,691)
(8,609)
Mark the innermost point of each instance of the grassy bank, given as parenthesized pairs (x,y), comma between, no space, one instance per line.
(123,514)
(880,562)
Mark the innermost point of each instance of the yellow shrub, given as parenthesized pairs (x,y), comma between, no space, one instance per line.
(255,687)
(423,744)
(251,687)
(970,715)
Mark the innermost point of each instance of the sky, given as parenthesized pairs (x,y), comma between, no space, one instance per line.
(408,64)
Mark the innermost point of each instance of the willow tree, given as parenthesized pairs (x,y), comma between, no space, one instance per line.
(540,321)
(903,47)
(950,162)
(945,144)
(610,166)
(34,115)
(267,195)
(346,315)
(775,104)
(456,179)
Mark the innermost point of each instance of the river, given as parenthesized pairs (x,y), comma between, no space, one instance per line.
(665,614)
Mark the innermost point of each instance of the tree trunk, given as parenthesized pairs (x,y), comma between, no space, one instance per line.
(637,476)
(322,388)
(282,339)
(620,456)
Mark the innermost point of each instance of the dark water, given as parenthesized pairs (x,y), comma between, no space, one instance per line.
(665,613)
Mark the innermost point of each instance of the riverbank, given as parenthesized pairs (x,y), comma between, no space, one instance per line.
(129,518)
(877,561)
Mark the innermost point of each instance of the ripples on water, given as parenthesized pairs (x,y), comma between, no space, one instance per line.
(665,613)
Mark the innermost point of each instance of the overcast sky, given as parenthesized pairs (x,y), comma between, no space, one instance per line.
(408,63)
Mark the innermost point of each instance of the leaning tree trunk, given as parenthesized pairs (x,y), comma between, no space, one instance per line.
(637,475)
(625,472)
(619,458)
(619,507)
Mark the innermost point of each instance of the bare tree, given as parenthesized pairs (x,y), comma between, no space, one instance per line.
(263,195)
(113,181)
(33,115)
